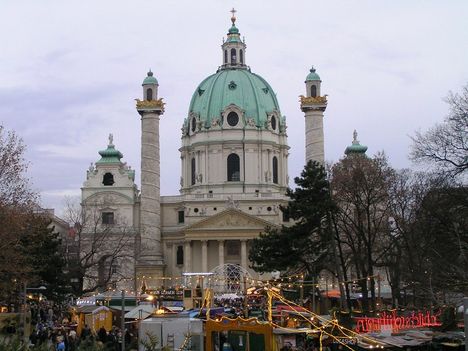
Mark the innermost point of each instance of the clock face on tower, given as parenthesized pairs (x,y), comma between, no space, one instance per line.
(232,119)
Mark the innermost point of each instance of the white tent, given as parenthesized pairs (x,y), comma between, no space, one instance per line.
(140,312)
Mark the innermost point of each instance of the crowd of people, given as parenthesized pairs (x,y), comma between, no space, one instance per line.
(66,339)
(51,326)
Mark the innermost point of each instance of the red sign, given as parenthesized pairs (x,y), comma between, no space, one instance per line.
(396,323)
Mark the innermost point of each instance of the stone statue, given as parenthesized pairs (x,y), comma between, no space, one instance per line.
(231,203)
(111,139)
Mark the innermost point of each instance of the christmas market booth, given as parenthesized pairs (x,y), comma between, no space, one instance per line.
(94,317)
(241,334)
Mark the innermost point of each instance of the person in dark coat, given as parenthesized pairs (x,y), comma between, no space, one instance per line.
(102,335)
(86,332)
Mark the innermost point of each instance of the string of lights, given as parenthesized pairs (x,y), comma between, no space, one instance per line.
(326,322)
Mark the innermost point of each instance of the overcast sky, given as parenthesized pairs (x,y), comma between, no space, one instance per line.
(70,71)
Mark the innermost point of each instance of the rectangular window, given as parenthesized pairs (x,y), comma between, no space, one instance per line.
(285,215)
(180,255)
(181,216)
(108,218)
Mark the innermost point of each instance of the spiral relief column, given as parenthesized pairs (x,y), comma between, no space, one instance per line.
(150,262)
(314,105)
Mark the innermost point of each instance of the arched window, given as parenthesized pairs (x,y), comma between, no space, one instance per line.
(149,94)
(225,57)
(275,170)
(273,123)
(180,255)
(194,124)
(233,168)
(108,179)
(233,56)
(193,175)
(313,91)
(241,56)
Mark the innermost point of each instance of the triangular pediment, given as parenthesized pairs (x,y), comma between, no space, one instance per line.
(230,219)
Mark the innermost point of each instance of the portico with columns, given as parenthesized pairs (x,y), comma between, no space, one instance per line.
(214,241)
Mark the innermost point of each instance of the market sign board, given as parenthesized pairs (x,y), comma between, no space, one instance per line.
(391,320)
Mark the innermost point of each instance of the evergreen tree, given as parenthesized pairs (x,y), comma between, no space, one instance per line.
(41,249)
(304,245)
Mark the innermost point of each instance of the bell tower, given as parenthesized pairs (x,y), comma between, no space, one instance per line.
(150,261)
(313,105)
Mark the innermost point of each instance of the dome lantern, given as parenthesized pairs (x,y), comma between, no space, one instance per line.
(150,87)
(233,48)
(313,83)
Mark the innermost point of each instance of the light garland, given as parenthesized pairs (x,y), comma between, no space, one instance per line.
(325,322)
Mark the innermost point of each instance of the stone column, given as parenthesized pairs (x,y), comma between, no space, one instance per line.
(314,105)
(221,252)
(314,142)
(150,258)
(174,260)
(188,257)
(204,254)
(244,253)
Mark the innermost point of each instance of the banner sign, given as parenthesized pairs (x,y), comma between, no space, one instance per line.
(396,323)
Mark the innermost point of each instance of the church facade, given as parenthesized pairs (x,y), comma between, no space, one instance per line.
(233,178)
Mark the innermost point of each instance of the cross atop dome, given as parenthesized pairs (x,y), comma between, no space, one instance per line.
(233,18)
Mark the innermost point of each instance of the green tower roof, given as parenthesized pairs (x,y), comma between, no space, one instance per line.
(355,148)
(110,155)
(312,75)
(233,29)
(150,79)
(247,90)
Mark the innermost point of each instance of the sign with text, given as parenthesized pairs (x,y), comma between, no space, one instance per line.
(396,323)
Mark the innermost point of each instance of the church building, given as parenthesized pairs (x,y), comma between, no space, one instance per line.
(233,176)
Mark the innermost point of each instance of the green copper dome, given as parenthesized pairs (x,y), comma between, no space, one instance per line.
(110,155)
(150,79)
(356,148)
(312,75)
(247,90)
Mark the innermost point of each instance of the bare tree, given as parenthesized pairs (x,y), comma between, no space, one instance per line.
(15,189)
(429,237)
(104,248)
(360,188)
(446,144)
(28,244)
